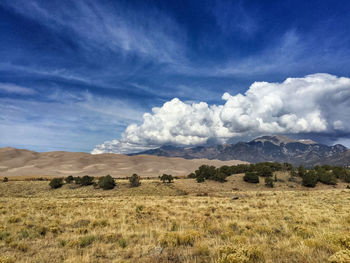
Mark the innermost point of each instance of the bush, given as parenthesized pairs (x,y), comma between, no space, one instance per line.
(106,182)
(134,180)
(310,179)
(301,171)
(342,173)
(5,179)
(326,177)
(86,180)
(219,176)
(191,175)
(269,182)
(264,171)
(69,179)
(56,183)
(251,177)
(166,177)
(200,179)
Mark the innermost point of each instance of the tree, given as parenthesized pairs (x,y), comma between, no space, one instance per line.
(269,182)
(251,177)
(106,182)
(5,179)
(56,183)
(310,179)
(69,179)
(134,180)
(166,177)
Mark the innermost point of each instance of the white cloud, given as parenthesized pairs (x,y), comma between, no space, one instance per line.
(316,103)
(15,89)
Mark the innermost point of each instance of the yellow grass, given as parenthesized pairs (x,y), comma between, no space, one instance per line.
(180,222)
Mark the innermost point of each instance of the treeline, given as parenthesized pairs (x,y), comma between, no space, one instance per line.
(105,182)
(252,172)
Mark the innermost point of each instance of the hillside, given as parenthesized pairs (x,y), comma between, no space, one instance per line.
(18,162)
(267,148)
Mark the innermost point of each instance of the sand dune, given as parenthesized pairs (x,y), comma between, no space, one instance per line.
(18,162)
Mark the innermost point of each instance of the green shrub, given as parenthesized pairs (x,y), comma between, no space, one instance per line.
(191,175)
(219,176)
(269,182)
(106,182)
(86,180)
(166,177)
(56,183)
(264,171)
(200,179)
(301,171)
(342,173)
(134,180)
(122,242)
(310,179)
(69,179)
(326,177)
(86,241)
(251,177)
(5,179)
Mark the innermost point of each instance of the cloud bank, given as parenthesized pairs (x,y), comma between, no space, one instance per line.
(318,103)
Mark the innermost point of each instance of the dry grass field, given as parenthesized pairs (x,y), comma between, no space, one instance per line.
(180,222)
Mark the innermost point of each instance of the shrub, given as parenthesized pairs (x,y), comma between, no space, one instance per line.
(225,170)
(200,179)
(56,183)
(269,182)
(264,171)
(166,177)
(310,179)
(301,171)
(191,175)
(86,180)
(251,177)
(5,179)
(206,171)
(134,180)
(86,241)
(122,242)
(106,182)
(326,177)
(69,179)
(342,173)
(219,176)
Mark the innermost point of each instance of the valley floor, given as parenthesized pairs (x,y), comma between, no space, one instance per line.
(180,222)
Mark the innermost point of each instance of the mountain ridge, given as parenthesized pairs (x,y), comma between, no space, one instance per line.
(263,149)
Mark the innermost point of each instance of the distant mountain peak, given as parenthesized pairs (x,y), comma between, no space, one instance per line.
(279,139)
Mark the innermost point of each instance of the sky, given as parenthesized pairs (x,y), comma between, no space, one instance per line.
(125,76)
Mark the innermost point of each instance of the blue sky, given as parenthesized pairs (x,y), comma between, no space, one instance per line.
(74,74)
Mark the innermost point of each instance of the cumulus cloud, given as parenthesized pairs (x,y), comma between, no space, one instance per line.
(318,103)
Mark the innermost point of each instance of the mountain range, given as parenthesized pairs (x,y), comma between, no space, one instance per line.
(263,149)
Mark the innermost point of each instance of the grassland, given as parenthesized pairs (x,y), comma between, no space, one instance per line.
(180,222)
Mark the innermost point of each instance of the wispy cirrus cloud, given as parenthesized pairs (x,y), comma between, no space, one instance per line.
(15,89)
(96,26)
